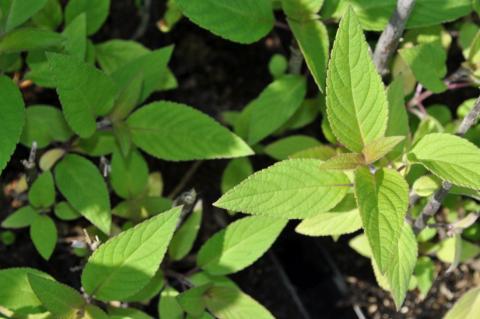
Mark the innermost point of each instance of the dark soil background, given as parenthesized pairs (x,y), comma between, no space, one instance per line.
(301,277)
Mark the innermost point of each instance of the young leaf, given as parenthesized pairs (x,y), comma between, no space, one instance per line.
(344,161)
(65,211)
(184,237)
(96,12)
(380,147)
(397,124)
(176,132)
(76,37)
(129,175)
(283,148)
(357,105)
(232,303)
(28,39)
(450,157)
(278,65)
(239,245)
(168,306)
(243,22)
(20,11)
(12,119)
(301,9)
(295,188)
(126,263)
(236,171)
(44,124)
(56,297)
(81,183)
(114,54)
(85,92)
(42,192)
(44,235)
(382,201)
(22,217)
(467,307)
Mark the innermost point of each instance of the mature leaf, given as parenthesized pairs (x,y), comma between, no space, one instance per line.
(150,290)
(184,238)
(236,171)
(383,201)
(42,191)
(450,157)
(28,39)
(127,313)
(176,132)
(239,245)
(20,11)
(44,124)
(76,37)
(232,303)
(301,9)
(305,114)
(50,16)
(84,92)
(343,219)
(127,101)
(96,12)
(15,290)
(100,143)
(467,307)
(126,263)
(168,306)
(283,148)
(295,188)
(428,63)
(312,37)
(426,185)
(56,297)
(397,124)
(377,149)
(65,211)
(192,301)
(448,249)
(245,22)
(321,152)
(344,161)
(116,53)
(81,183)
(44,235)
(20,218)
(129,174)
(11,119)
(357,105)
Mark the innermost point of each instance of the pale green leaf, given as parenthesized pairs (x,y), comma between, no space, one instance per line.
(28,39)
(397,124)
(44,235)
(426,185)
(127,313)
(245,22)
(383,201)
(81,183)
(20,218)
(84,92)
(360,244)
(50,158)
(467,307)
(168,306)
(357,105)
(344,161)
(301,9)
(446,250)
(42,192)
(378,148)
(239,245)
(425,273)
(176,132)
(20,11)
(450,157)
(295,188)
(321,152)
(184,238)
(129,174)
(126,263)
(236,171)
(96,12)
(150,290)
(192,301)
(283,148)
(12,118)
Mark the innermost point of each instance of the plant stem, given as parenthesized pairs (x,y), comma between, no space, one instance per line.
(436,201)
(390,37)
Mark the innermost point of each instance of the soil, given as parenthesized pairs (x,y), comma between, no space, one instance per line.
(323,277)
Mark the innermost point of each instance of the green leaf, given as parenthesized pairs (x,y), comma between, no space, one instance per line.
(20,218)
(243,22)
(28,39)
(176,132)
(231,303)
(116,53)
(374,14)
(467,307)
(42,192)
(127,313)
(184,238)
(50,158)
(400,269)
(446,250)
(428,63)
(76,37)
(321,152)
(377,149)
(11,119)
(397,124)
(357,105)
(426,185)
(84,92)
(20,11)
(44,235)
(150,290)
(301,9)
(277,65)
(450,157)
(81,183)
(96,12)
(15,290)
(65,211)
(283,148)
(383,201)
(344,161)
(343,219)
(236,171)
(295,188)
(44,124)
(425,273)
(126,263)
(129,175)
(239,245)
(272,108)
(56,297)
(100,143)
(312,37)
(192,301)
(127,100)
(168,306)
(306,114)
(50,16)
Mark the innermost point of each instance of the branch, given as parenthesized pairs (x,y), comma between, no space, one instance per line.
(390,37)
(436,201)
